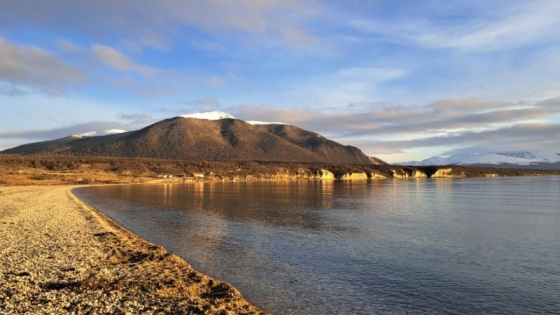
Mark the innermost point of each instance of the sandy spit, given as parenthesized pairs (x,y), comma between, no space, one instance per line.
(61,256)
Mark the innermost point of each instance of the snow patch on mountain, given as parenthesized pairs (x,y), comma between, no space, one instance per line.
(255,122)
(518,158)
(215,115)
(98,133)
(113,131)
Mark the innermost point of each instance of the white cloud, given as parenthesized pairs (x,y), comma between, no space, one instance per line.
(68,46)
(345,86)
(260,18)
(152,23)
(506,25)
(484,36)
(137,119)
(29,68)
(119,61)
(112,57)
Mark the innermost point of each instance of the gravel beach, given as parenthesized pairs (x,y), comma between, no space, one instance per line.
(60,256)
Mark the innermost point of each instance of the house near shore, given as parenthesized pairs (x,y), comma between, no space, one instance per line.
(198,175)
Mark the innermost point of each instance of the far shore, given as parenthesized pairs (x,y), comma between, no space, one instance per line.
(21,170)
(59,255)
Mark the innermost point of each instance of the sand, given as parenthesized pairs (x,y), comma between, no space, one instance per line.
(60,256)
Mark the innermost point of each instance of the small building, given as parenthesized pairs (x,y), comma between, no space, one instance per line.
(198,175)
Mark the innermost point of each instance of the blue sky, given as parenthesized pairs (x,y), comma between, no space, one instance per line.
(401,80)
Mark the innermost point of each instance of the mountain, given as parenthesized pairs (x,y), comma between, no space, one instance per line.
(206,136)
(509,159)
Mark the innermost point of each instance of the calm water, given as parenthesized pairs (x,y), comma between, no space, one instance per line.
(461,246)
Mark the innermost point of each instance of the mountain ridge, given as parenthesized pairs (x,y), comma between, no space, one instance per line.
(211,137)
(524,158)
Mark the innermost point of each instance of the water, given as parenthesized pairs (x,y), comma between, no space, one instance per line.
(438,246)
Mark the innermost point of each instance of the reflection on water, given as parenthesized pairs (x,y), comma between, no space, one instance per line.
(363,247)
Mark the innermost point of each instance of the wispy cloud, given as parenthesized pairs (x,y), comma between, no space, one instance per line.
(119,61)
(540,137)
(443,115)
(137,119)
(504,26)
(514,27)
(193,106)
(345,86)
(152,23)
(26,68)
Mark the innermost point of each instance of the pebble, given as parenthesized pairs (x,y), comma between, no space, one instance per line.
(60,256)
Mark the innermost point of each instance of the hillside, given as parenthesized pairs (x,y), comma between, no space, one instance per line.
(193,138)
(327,149)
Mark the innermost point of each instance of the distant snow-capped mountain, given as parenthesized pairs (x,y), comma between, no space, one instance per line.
(515,158)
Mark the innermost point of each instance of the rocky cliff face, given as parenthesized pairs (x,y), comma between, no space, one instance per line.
(325,175)
(446,173)
(354,176)
(407,173)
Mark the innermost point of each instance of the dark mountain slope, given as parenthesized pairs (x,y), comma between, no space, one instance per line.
(327,149)
(44,146)
(62,145)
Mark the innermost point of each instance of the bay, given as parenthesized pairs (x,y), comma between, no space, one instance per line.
(438,246)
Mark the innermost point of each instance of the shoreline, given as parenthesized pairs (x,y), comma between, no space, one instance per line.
(19,170)
(58,254)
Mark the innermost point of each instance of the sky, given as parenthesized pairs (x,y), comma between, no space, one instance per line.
(401,80)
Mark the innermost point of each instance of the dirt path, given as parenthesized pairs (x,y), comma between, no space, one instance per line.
(58,255)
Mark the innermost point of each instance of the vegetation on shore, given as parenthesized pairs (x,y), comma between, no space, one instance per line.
(54,170)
